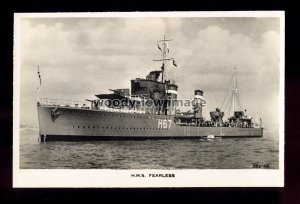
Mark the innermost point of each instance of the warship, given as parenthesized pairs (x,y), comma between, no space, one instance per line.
(148,111)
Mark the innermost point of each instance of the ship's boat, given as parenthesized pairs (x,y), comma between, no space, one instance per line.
(146,111)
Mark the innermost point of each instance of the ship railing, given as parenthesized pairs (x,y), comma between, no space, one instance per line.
(64,103)
(80,104)
(122,110)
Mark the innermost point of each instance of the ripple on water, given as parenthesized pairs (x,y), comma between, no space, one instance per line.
(149,154)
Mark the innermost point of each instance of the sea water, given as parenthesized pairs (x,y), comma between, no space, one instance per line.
(229,153)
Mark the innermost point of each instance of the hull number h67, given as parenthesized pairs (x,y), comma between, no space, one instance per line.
(164,124)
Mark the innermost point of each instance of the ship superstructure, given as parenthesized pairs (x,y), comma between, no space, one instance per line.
(149,110)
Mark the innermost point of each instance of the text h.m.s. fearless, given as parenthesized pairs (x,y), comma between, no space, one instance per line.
(153,175)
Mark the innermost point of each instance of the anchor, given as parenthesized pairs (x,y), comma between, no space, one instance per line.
(54,114)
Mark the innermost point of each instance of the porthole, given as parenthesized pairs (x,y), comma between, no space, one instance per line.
(78,126)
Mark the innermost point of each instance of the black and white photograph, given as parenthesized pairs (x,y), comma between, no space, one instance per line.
(148,99)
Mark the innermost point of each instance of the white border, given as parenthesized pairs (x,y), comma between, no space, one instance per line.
(122,178)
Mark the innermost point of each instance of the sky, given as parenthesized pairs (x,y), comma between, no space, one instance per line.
(81,57)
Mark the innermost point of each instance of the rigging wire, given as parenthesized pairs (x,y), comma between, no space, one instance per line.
(238,95)
(239,101)
(226,93)
(227,105)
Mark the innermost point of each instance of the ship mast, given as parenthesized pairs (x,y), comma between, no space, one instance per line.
(164,51)
(233,103)
(234,90)
(235,94)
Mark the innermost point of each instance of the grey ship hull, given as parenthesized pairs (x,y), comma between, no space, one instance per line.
(87,124)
